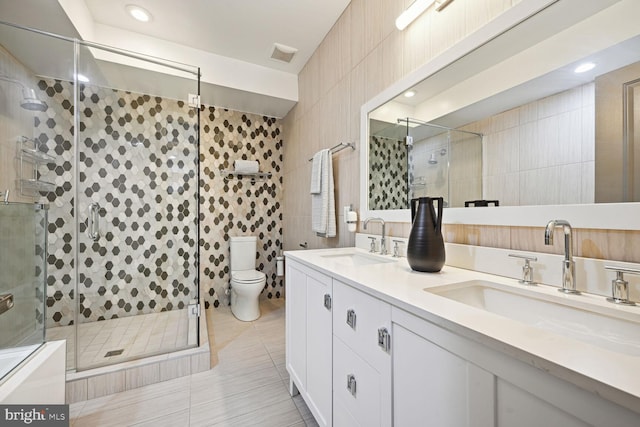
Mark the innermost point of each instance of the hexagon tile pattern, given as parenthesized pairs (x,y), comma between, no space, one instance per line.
(387,184)
(137,160)
(239,207)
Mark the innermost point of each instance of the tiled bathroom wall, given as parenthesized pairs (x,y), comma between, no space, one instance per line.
(387,184)
(362,55)
(232,206)
(138,162)
(22,226)
(22,230)
(16,122)
(541,153)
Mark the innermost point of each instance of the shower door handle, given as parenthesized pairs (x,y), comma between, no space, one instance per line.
(93,222)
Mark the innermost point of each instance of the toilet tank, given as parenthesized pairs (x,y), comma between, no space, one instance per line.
(243,253)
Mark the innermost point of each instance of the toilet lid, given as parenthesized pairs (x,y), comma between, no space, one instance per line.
(248,276)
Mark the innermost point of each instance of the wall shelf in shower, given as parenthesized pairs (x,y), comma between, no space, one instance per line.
(29,153)
(257,176)
(28,186)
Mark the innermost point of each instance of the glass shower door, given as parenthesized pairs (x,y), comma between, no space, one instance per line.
(137,207)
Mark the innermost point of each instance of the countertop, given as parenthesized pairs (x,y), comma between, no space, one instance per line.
(609,374)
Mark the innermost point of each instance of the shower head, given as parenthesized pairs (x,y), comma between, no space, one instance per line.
(432,160)
(31,102)
(29,99)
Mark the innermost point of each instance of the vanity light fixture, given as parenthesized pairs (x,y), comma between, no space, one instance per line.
(583,68)
(416,9)
(138,13)
(410,94)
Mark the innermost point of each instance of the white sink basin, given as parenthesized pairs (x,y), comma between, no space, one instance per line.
(356,259)
(610,327)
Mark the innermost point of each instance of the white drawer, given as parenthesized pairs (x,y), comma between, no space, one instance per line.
(368,316)
(364,404)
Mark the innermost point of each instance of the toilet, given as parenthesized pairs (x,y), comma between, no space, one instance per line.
(246,282)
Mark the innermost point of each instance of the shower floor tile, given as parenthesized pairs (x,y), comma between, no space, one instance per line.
(137,336)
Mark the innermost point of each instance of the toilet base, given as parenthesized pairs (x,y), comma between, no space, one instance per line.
(245,309)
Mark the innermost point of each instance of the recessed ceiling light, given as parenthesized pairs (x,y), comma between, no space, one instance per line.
(82,78)
(410,93)
(138,13)
(583,68)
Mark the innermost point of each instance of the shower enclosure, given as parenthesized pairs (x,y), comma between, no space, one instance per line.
(121,184)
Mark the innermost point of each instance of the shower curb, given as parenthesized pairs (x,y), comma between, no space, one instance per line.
(98,382)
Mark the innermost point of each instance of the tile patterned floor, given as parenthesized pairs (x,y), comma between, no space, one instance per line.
(139,336)
(246,387)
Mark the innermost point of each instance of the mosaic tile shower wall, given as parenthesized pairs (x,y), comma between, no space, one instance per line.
(388,176)
(238,207)
(143,176)
(138,161)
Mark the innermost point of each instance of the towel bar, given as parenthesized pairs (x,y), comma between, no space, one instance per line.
(339,147)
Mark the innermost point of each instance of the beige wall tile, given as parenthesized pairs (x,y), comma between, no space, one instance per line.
(477,13)
(76,391)
(447,27)
(142,375)
(357,35)
(619,245)
(373,29)
(417,43)
(174,368)
(200,362)
(532,239)
(103,385)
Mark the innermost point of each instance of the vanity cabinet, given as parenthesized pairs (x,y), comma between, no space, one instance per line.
(358,360)
(309,338)
(361,358)
(441,378)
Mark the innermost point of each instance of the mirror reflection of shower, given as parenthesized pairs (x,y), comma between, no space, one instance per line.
(433,160)
(29,99)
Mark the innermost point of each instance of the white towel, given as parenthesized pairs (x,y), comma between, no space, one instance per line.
(246,166)
(316,172)
(323,205)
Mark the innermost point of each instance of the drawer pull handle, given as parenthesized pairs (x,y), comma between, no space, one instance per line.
(351,384)
(351,318)
(384,339)
(327,301)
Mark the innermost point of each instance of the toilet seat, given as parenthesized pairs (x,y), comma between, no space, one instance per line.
(247,276)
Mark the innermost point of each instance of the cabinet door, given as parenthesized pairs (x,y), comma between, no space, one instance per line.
(296,324)
(319,349)
(434,387)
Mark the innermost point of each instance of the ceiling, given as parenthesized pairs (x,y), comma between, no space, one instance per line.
(230,40)
(241,29)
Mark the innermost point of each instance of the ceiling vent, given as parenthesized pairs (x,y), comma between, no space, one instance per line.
(283,53)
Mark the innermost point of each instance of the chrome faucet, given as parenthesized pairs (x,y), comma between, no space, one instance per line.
(383,247)
(568,265)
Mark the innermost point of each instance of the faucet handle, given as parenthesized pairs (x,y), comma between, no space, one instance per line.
(619,286)
(373,244)
(527,270)
(396,248)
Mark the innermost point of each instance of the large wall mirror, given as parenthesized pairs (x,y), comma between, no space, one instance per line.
(504,120)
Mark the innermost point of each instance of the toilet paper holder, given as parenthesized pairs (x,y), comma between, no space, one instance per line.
(279,266)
